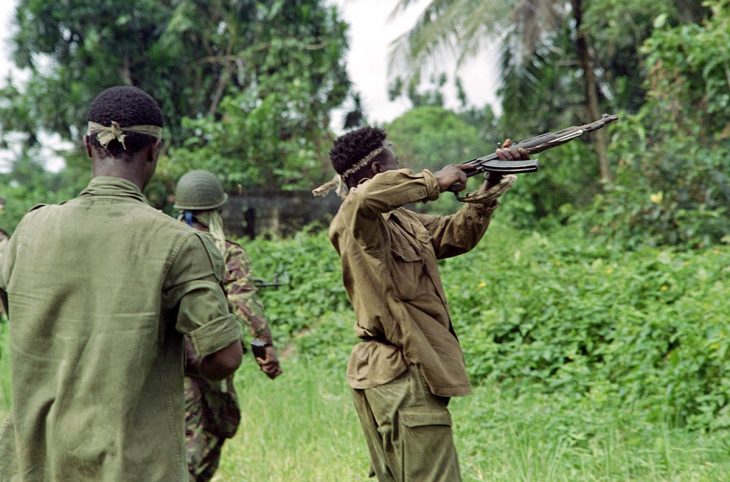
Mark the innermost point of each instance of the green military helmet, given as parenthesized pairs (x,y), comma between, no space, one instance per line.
(199,191)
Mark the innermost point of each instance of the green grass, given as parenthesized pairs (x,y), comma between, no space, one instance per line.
(303,427)
(543,438)
(300,427)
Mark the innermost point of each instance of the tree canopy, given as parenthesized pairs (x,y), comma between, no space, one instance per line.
(246,87)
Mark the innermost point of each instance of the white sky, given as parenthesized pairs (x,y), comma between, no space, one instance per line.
(372,31)
(370,35)
(6,16)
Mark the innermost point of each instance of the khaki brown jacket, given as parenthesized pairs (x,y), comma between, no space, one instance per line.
(390,273)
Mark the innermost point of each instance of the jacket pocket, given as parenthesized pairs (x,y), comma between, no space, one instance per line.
(407,269)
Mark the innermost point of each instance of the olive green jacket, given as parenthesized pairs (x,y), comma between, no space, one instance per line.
(100,291)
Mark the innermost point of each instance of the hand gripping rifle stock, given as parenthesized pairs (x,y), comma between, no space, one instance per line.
(533,145)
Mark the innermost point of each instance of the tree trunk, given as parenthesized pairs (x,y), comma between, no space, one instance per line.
(124,72)
(590,87)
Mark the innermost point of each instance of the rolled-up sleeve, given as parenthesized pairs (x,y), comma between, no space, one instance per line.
(459,232)
(194,290)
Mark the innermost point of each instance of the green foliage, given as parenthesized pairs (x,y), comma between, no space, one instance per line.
(246,87)
(430,137)
(672,142)
(187,54)
(28,184)
(273,130)
(313,268)
(648,328)
(673,156)
(557,314)
(617,27)
(75,49)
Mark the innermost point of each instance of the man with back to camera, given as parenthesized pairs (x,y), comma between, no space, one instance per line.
(100,291)
(409,361)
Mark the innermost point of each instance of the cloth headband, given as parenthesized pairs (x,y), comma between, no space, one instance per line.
(362,162)
(115,132)
(339,182)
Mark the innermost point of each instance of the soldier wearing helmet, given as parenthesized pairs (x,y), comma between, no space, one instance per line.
(212,411)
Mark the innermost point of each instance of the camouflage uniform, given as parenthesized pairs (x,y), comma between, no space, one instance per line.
(212,410)
(245,303)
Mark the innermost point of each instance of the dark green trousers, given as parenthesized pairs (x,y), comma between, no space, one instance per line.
(408,431)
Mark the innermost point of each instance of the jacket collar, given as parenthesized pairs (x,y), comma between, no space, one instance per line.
(113,186)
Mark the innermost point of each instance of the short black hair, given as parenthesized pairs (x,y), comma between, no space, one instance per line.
(128,106)
(352,147)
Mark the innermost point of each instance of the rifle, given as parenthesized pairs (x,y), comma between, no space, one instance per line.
(533,145)
(280,279)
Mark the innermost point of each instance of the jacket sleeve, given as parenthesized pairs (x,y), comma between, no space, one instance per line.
(383,193)
(193,290)
(244,301)
(459,232)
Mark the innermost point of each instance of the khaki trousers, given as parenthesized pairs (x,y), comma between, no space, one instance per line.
(408,431)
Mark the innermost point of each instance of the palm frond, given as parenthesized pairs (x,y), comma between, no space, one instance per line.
(445,28)
(534,18)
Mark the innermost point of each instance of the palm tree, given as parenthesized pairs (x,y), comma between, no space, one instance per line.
(518,26)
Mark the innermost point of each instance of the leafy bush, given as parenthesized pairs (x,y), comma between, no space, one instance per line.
(558,314)
(673,155)
(646,327)
(310,265)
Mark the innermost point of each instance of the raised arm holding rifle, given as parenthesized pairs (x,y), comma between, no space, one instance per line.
(408,362)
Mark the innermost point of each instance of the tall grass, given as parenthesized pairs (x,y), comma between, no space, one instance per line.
(303,427)
(541,438)
(299,427)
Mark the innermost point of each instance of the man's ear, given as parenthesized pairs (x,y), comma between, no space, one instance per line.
(87,145)
(376,167)
(154,151)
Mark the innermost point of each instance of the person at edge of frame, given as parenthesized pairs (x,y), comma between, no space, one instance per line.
(4,239)
(100,291)
(212,413)
(408,362)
